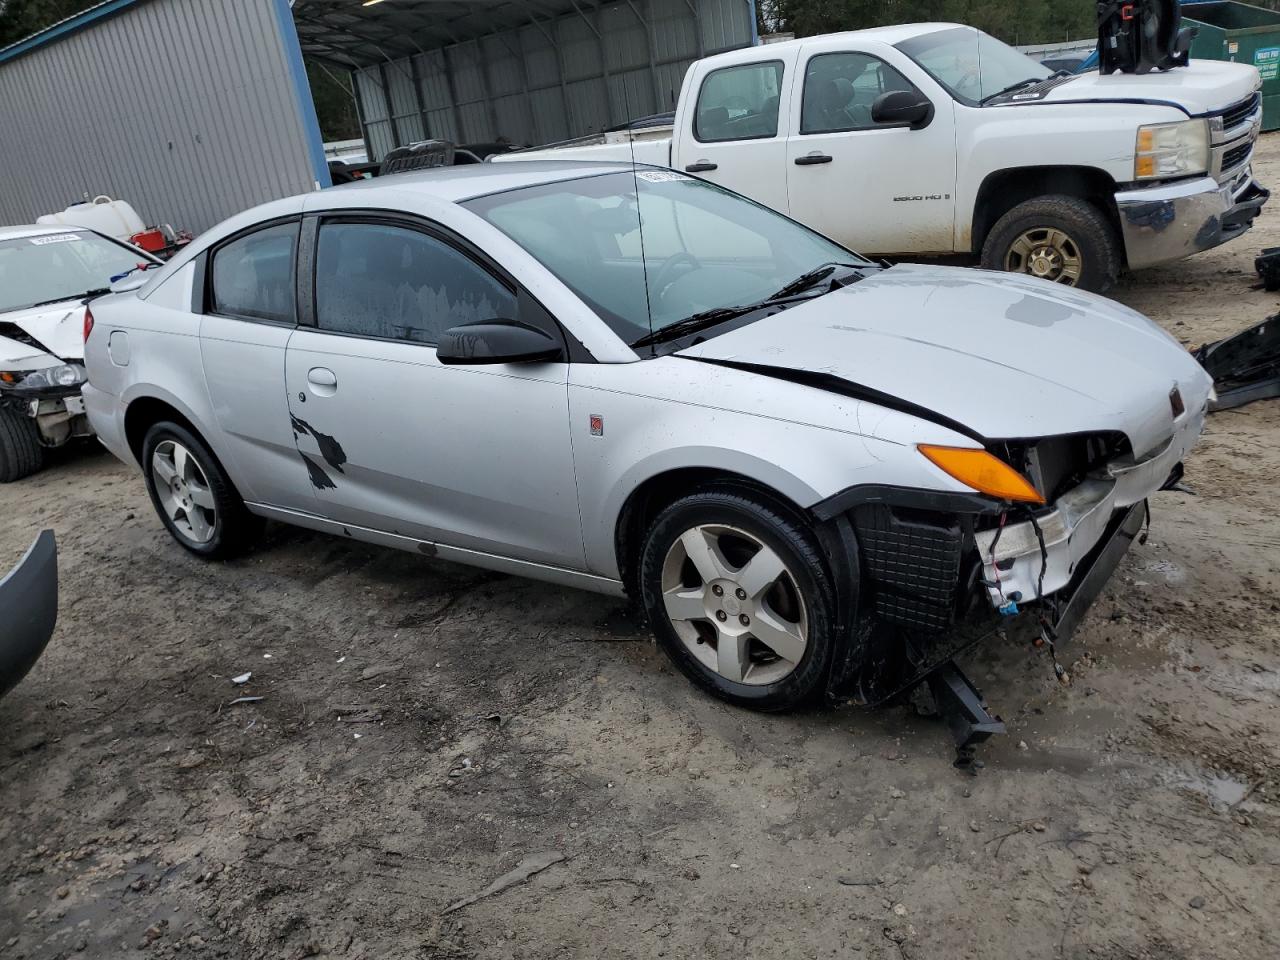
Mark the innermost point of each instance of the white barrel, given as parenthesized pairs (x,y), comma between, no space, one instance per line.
(115,218)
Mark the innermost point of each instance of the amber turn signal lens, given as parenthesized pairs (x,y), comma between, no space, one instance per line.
(982,471)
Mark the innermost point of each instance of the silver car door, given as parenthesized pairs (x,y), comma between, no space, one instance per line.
(249,297)
(474,457)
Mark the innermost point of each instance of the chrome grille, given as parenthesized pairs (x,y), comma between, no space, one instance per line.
(1236,155)
(1236,114)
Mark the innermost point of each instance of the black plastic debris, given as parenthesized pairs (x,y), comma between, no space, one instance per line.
(1267,263)
(1245,366)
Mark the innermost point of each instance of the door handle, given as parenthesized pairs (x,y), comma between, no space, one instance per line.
(322,377)
(811,158)
(701,166)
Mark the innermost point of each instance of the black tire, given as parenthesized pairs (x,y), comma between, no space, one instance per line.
(789,535)
(20,452)
(1092,236)
(234,528)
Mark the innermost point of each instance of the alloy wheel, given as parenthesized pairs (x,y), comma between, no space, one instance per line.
(183,490)
(734,604)
(1048,253)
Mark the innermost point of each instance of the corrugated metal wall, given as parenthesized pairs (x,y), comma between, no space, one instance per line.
(185,108)
(551,79)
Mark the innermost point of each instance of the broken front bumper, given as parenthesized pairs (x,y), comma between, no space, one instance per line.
(28,610)
(1015,564)
(1165,223)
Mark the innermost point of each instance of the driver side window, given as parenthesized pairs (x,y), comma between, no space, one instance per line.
(840,88)
(739,103)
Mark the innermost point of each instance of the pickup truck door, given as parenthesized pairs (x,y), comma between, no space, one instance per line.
(731,135)
(875,188)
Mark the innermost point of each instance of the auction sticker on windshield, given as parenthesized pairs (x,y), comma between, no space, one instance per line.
(55,238)
(660,176)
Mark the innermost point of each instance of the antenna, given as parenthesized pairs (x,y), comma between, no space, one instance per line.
(635,180)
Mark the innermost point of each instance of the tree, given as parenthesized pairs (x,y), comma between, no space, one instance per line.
(21,18)
(1029,21)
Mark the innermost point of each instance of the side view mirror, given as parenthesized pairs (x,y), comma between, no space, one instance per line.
(497,341)
(905,107)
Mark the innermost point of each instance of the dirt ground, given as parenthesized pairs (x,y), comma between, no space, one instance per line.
(425,727)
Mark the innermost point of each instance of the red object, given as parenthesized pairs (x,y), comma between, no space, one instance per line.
(152,241)
(88,323)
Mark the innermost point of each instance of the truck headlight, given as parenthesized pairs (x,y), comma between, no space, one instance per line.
(1165,150)
(45,379)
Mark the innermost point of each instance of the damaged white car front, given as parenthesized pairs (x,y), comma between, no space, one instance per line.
(47,276)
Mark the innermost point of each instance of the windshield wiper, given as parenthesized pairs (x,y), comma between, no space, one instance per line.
(807,280)
(709,318)
(1030,81)
(698,321)
(96,292)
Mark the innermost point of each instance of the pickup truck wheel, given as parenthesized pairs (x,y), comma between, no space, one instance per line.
(20,452)
(193,496)
(739,598)
(1058,238)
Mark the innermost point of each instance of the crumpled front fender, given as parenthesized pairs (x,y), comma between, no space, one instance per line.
(28,610)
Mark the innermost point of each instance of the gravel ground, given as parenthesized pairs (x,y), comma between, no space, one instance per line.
(426,728)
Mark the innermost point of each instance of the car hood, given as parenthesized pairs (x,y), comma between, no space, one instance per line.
(58,328)
(1203,86)
(1001,356)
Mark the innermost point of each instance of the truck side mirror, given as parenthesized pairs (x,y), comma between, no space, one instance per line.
(903,108)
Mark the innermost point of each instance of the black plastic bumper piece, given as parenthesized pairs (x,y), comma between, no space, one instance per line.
(1243,212)
(1097,569)
(28,610)
(964,711)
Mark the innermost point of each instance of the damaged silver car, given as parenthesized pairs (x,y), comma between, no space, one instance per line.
(46,275)
(817,474)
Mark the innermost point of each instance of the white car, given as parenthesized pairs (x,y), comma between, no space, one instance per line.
(46,276)
(815,473)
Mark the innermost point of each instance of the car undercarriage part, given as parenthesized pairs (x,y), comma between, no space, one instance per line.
(1267,263)
(28,609)
(964,711)
(1138,36)
(1245,366)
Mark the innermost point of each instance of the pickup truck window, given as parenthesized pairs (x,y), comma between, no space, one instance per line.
(839,89)
(739,103)
(703,247)
(972,65)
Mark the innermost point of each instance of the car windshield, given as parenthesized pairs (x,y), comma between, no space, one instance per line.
(703,247)
(972,65)
(49,267)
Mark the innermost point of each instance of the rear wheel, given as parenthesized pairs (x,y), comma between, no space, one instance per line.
(1062,239)
(739,598)
(193,496)
(20,452)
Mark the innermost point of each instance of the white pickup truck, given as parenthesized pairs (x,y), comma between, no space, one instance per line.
(936,139)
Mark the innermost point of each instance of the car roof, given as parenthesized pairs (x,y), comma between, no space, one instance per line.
(21,230)
(455,184)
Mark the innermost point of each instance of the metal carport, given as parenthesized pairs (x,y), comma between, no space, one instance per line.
(531,71)
(193,110)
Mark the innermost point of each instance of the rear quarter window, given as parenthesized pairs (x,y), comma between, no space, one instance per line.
(253,275)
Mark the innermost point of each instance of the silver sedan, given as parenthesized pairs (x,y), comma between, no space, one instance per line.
(817,474)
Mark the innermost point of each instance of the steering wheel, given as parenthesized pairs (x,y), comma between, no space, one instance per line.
(660,281)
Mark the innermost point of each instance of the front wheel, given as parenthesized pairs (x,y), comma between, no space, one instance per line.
(739,597)
(1062,239)
(20,452)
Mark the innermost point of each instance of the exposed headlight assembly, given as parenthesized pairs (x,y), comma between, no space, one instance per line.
(47,380)
(1166,150)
